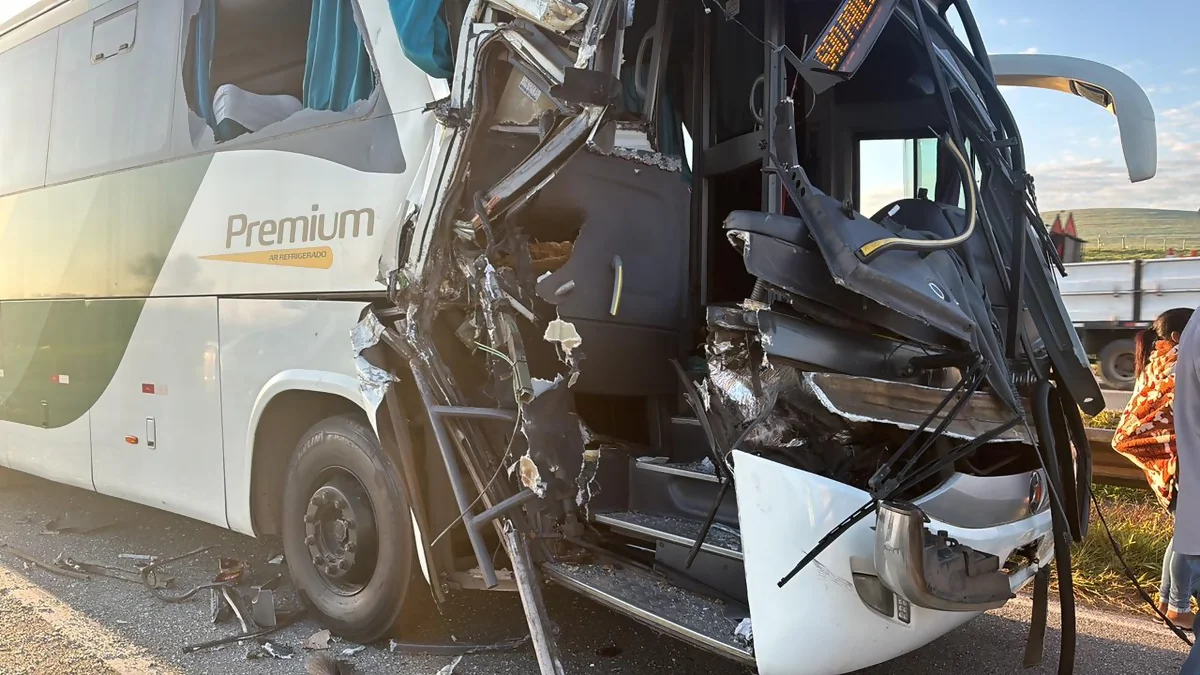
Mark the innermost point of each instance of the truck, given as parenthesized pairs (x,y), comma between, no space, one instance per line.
(1110,301)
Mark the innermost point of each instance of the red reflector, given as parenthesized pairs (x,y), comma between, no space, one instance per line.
(147,389)
(54,379)
(132,440)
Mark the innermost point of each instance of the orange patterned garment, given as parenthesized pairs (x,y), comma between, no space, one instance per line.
(1146,434)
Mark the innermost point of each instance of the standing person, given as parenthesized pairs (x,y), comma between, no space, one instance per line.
(1146,436)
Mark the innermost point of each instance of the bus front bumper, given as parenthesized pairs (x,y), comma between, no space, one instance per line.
(880,590)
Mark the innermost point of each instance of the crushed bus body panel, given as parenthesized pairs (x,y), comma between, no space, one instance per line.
(868,441)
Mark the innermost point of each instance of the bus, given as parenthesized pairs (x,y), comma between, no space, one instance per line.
(459,296)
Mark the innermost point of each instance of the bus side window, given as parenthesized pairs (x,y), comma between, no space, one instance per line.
(250,66)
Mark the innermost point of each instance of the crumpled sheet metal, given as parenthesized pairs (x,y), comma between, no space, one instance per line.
(559,16)
(553,433)
(566,337)
(795,419)
(953,430)
(373,381)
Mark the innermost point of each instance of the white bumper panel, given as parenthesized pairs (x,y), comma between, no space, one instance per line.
(817,623)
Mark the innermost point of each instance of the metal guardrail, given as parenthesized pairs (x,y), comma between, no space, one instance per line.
(1109,467)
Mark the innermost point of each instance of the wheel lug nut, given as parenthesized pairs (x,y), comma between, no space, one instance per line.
(350,525)
(349,547)
(331,569)
(310,518)
(343,565)
(317,561)
(310,540)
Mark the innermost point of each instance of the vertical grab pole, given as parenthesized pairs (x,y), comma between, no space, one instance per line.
(482,555)
(773,92)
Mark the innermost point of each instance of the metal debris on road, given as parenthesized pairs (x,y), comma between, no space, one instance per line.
(265,649)
(277,560)
(262,608)
(457,649)
(448,669)
(318,640)
(66,562)
(231,571)
(38,562)
(353,650)
(139,559)
(285,621)
(218,611)
(149,575)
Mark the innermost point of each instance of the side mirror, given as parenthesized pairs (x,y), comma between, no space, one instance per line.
(1103,85)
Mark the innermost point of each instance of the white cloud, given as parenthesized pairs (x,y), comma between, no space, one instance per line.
(1029,50)
(1025,20)
(1072,182)
(1194,70)
(1002,21)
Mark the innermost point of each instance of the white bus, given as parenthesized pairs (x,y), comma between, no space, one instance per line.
(457,296)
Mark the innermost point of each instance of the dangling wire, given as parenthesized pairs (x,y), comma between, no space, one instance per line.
(1116,547)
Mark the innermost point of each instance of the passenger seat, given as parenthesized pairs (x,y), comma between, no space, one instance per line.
(238,111)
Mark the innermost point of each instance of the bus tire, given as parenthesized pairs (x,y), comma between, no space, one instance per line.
(347,533)
(1117,364)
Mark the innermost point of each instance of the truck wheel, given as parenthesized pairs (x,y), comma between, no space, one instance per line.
(1117,364)
(347,532)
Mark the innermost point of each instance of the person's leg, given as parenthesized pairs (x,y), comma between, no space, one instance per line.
(1179,600)
(1164,589)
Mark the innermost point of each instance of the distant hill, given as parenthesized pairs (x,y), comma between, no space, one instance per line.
(1112,223)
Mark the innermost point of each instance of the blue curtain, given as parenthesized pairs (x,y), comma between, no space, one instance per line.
(206,35)
(423,35)
(337,69)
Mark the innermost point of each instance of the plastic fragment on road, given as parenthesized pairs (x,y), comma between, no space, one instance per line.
(269,650)
(318,640)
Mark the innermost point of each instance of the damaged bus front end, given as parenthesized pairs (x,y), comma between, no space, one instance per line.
(667,360)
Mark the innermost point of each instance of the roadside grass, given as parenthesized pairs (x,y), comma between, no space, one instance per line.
(1140,527)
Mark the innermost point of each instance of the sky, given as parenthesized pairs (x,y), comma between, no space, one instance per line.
(1072,146)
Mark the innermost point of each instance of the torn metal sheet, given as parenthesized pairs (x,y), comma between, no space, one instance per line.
(552,430)
(566,337)
(559,16)
(373,381)
(563,334)
(657,160)
(863,399)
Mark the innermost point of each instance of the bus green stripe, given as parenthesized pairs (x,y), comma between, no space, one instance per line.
(76,262)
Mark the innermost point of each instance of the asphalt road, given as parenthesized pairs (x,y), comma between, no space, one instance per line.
(51,625)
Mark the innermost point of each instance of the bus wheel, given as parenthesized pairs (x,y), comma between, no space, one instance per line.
(347,532)
(1117,364)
